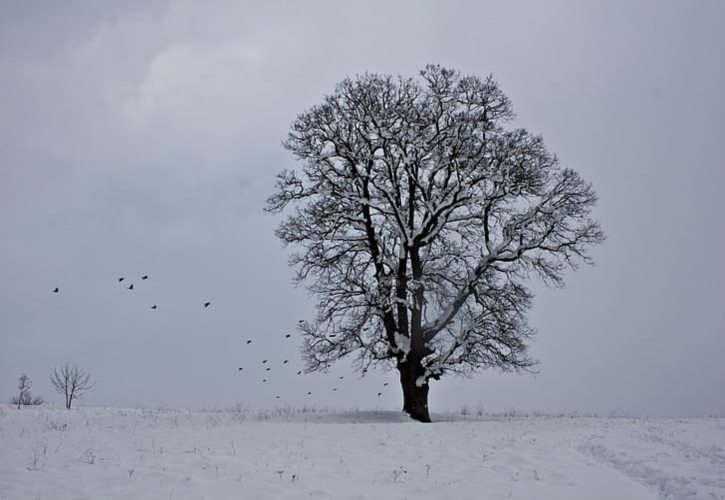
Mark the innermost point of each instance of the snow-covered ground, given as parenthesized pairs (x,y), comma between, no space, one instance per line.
(100,453)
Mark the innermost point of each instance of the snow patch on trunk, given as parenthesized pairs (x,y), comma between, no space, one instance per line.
(403,343)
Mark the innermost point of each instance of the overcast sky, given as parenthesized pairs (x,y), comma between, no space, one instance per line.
(143,138)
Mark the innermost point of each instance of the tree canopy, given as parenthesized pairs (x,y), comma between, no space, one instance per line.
(418,219)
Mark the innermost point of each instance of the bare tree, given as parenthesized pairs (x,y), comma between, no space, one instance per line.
(24,398)
(418,220)
(71,381)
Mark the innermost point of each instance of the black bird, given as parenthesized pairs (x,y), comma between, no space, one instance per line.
(264,380)
(240,368)
(334,388)
(207,304)
(268,368)
(385,384)
(299,372)
(288,335)
(285,361)
(130,287)
(380,394)
(341,377)
(249,341)
(120,279)
(264,361)
(309,393)
(276,397)
(153,306)
(145,277)
(56,290)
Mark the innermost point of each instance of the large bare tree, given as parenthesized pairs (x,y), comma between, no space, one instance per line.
(417,219)
(71,382)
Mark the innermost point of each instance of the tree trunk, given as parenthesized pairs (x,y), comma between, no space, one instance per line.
(415,397)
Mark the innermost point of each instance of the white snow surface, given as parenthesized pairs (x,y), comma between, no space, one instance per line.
(109,453)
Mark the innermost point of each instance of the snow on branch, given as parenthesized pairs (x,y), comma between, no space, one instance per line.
(416,218)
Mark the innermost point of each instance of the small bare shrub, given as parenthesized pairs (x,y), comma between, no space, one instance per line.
(72,382)
(40,456)
(88,456)
(24,398)
(57,426)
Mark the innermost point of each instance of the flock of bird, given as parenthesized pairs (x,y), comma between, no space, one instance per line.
(265,362)
(121,279)
(267,368)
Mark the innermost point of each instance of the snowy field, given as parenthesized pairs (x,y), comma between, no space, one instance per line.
(99,453)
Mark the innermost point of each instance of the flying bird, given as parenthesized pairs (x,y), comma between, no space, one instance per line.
(341,377)
(130,287)
(264,380)
(56,290)
(268,368)
(240,368)
(299,372)
(153,306)
(277,397)
(380,394)
(121,279)
(264,361)
(145,277)
(285,361)
(334,388)
(310,392)
(288,335)
(385,384)
(249,341)
(207,304)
